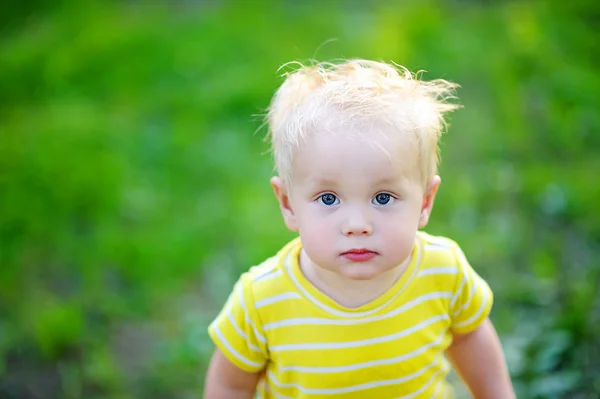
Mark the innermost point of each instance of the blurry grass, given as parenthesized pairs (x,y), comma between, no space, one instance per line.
(134,189)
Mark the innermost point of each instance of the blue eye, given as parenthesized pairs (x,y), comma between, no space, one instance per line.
(328,199)
(383,199)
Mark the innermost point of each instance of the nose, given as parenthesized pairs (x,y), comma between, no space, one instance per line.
(357,223)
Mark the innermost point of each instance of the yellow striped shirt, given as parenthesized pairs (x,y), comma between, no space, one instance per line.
(309,346)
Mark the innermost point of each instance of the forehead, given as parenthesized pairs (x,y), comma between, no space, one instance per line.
(373,153)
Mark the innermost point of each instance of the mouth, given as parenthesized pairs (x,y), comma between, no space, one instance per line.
(359,255)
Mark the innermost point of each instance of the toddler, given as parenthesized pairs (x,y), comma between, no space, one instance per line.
(363,304)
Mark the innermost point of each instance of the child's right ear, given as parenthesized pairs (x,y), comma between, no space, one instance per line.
(281,193)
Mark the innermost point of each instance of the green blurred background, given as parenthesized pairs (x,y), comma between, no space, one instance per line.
(134,184)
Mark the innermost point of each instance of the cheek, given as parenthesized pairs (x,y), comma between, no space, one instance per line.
(400,227)
(316,233)
(316,227)
(398,240)
(404,215)
(313,217)
(318,244)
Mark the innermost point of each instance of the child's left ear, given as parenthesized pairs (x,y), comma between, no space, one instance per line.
(428,199)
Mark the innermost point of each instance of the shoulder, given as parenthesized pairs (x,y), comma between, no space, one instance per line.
(439,250)
(443,264)
(267,279)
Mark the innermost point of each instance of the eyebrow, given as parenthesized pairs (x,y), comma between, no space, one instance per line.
(387,180)
(379,182)
(326,182)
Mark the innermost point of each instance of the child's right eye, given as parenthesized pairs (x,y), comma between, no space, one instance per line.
(328,199)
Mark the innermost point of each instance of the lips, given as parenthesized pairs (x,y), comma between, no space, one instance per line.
(359,255)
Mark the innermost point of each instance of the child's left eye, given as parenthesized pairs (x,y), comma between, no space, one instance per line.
(383,199)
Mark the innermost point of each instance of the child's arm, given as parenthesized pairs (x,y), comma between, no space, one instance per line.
(241,352)
(224,380)
(476,351)
(479,360)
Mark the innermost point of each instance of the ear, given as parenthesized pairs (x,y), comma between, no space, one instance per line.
(281,193)
(428,199)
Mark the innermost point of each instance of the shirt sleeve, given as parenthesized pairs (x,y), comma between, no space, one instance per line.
(472,301)
(237,330)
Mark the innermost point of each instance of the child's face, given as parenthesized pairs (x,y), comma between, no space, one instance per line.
(356,208)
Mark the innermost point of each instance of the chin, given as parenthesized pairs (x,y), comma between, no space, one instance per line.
(361,277)
(355,273)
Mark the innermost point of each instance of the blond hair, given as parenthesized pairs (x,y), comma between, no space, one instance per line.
(357,93)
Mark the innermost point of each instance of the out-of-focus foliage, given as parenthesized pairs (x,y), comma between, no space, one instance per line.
(133,188)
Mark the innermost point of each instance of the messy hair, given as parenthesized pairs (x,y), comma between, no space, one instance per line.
(354,93)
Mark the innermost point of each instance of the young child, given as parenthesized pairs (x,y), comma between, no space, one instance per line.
(362,305)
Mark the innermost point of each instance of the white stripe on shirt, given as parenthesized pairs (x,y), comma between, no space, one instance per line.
(359,343)
(476,315)
(438,270)
(259,336)
(359,387)
(234,352)
(277,298)
(327,321)
(241,333)
(371,363)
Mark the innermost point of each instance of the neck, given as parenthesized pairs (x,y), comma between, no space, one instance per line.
(348,292)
